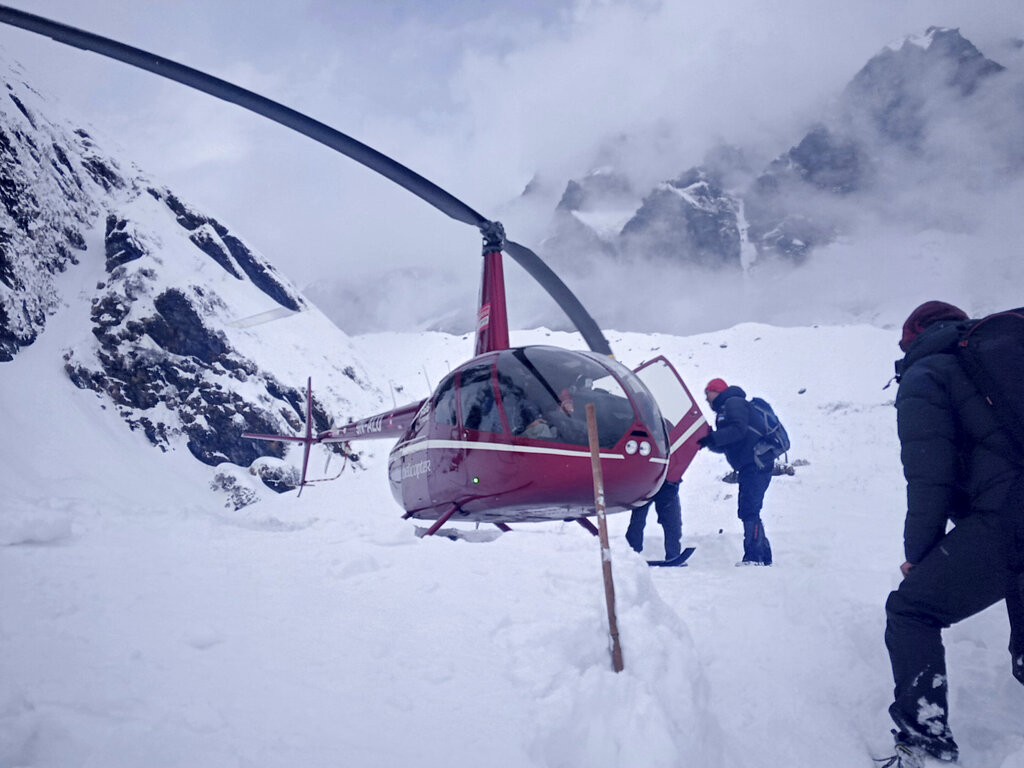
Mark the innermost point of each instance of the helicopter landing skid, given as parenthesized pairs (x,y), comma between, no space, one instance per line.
(460,534)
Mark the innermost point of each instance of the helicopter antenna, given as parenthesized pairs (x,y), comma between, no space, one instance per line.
(336,140)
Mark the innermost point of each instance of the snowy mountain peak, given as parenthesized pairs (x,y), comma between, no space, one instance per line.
(896,82)
(923,41)
(883,157)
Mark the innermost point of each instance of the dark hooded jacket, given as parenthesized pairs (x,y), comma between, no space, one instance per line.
(956,458)
(732,435)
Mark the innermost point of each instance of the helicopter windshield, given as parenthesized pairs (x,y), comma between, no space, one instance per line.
(544,392)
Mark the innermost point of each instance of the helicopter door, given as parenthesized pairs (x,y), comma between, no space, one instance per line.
(685,419)
(446,470)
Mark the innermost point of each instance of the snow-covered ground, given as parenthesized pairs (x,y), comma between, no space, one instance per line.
(142,623)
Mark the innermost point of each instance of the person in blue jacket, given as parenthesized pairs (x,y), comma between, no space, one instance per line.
(733,437)
(961,465)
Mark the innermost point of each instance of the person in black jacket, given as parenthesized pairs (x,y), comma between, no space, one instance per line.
(733,437)
(959,466)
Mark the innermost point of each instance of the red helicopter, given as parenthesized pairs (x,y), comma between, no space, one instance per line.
(503,438)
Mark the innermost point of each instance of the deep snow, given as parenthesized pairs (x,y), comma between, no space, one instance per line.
(142,623)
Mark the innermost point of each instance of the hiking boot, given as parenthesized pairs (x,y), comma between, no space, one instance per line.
(905,757)
(912,757)
(913,751)
(943,748)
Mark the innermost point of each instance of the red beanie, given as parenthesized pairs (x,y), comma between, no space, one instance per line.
(926,314)
(716,385)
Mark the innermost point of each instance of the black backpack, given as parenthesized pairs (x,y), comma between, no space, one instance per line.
(774,441)
(991,350)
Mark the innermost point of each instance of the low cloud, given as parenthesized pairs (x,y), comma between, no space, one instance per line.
(482,100)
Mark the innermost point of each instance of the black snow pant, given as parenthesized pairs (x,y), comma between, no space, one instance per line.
(974,566)
(1015,607)
(754,483)
(666,502)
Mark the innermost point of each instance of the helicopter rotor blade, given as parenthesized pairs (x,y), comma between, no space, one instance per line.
(346,145)
(324,134)
(559,291)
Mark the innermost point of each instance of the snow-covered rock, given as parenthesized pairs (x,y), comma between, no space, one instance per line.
(170,305)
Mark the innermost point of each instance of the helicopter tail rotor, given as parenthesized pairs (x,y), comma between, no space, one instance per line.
(307,440)
(307,443)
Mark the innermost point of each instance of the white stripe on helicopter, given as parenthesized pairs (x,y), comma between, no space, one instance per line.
(687,434)
(423,445)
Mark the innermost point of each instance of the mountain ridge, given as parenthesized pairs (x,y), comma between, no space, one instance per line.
(891,101)
(167,342)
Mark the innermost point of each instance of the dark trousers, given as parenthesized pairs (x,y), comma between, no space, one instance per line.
(754,483)
(666,502)
(971,568)
(1015,607)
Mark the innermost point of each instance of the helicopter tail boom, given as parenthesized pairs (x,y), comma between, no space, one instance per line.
(390,424)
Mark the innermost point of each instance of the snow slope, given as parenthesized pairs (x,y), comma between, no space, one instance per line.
(145,623)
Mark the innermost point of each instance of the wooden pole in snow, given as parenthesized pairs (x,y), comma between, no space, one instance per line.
(602,528)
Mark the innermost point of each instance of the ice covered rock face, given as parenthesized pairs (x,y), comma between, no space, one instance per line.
(805,196)
(690,214)
(157,286)
(47,177)
(156,353)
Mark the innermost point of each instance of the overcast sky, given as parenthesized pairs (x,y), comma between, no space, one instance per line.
(477,96)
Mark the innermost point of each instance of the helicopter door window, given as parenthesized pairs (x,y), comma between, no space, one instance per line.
(525,410)
(419,421)
(476,399)
(519,412)
(663,382)
(444,402)
(683,417)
